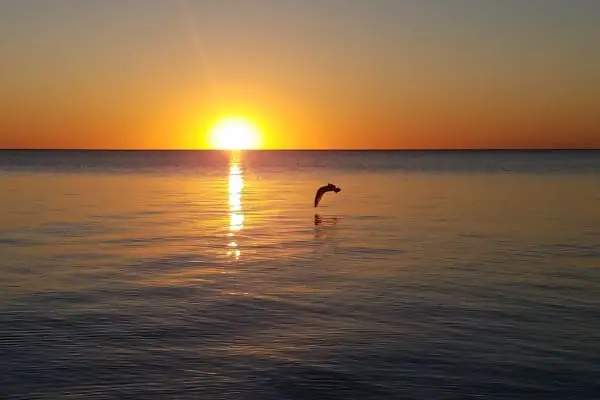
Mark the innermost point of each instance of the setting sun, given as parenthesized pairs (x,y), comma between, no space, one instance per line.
(235,134)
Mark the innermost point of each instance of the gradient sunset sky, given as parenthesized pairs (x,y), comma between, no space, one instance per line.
(310,73)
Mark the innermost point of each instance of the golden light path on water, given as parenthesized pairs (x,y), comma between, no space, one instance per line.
(236,214)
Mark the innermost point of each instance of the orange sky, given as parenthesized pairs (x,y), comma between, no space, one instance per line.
(333,74)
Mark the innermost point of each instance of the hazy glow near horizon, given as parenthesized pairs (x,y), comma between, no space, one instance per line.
(315,74)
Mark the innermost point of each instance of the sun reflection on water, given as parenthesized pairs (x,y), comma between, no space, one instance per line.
(236,215)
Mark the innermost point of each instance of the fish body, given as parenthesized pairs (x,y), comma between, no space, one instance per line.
(324,189)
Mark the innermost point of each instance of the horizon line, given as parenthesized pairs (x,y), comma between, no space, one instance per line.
(534,149)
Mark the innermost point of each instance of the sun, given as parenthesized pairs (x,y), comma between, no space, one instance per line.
(234,133)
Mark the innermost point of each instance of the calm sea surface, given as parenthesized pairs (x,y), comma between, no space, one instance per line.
(208,275)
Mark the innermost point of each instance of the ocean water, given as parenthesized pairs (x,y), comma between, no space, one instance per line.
(209,275)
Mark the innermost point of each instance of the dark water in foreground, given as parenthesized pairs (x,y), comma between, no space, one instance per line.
(202,275)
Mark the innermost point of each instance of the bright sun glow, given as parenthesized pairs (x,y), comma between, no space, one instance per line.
(235,134)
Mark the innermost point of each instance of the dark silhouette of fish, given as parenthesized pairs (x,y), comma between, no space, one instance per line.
(324,189)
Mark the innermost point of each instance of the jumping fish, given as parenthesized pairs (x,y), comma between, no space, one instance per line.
(324,189)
